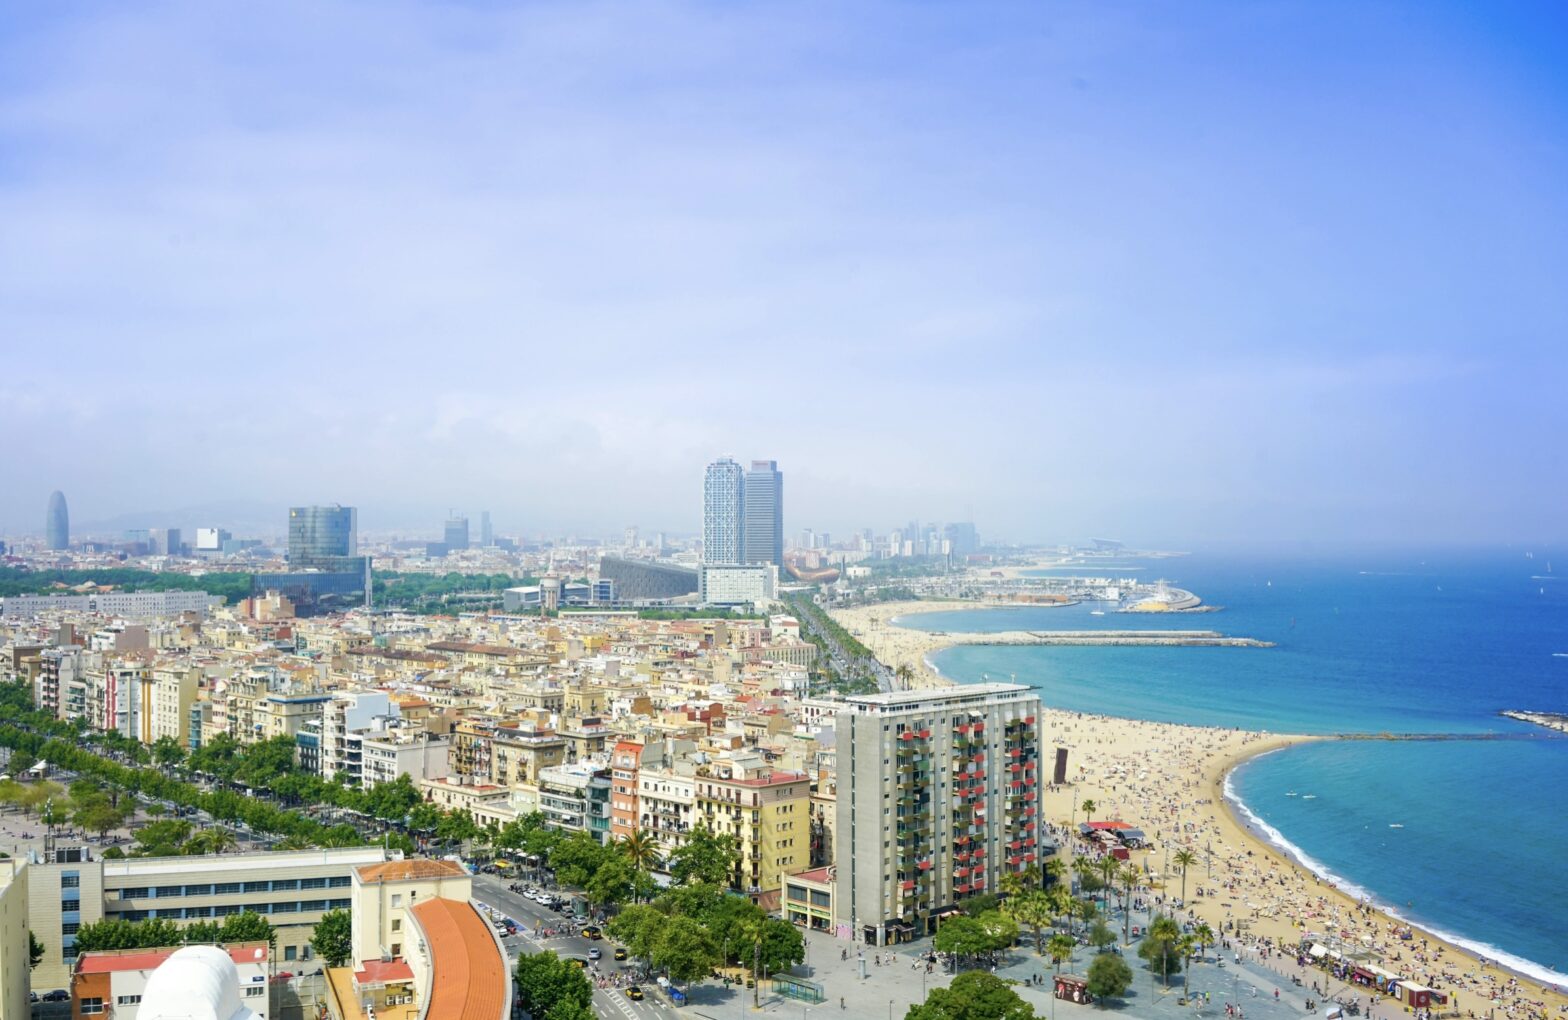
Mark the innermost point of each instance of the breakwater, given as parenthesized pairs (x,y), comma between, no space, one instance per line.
(1551,720)
(1151,638)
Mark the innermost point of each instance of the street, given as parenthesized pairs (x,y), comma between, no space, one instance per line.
(610,1003)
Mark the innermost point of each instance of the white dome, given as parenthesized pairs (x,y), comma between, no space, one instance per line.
(196,983)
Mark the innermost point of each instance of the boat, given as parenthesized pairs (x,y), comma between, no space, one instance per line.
(1096,612)
(1310,796)
(1291,793)
(1395,825)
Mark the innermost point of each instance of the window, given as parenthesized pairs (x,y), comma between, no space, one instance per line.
(92,1007)
(289,952)
(68,905)
(397,924)
(338,904)
(198,890)
(254,991)
(169,890)
(337,881)
(312,883)
(285,908)
(70,881)
(128,1000)
(198,912)
(225,910)
(310,905)
(397,949)
(285,884)
(134,893)
(69,928)
(226,888)
(259,908)
(258,886)
(397,899)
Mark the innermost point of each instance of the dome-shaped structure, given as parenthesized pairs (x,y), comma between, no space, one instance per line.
(196,983)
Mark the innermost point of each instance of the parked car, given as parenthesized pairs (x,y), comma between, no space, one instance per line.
(58,995)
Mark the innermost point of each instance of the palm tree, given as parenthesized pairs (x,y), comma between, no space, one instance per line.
(642,849)
(1166,934)
(1060,948)
(1184,859)
(294,843)
(1054,870)
(1130,876)
(1088,811)
(905,674)
(1061,904)
(1205,936)
(1186,944)
(1082,866)
(1109,869)
(1011,884)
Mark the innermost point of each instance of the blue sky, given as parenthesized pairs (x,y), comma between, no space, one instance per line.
(1178,274)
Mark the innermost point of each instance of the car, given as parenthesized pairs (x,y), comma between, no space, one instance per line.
(634,993)
(620,954)
(595,953)
(579,919)
(284,975)
(578,962)
(592,932)
(58,995)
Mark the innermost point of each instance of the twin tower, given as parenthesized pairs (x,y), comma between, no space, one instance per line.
(743,513)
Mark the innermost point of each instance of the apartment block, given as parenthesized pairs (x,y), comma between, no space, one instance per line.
(770,817)
(14,920)
(939,795)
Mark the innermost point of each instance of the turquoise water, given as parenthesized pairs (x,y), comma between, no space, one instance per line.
(1416,644)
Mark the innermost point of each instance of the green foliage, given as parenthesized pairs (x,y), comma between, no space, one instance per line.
(167,751)
(638,929)
(1060,948)
(975,995)
(1161,948)
(974,906)
(1100,934)
(35,950)
(567,1010)
(544,981)
(333,937)
(707,857)
(233,586)
(117,934)
(442,593)
(611,882)
(967,936)
(686,950)
(1109,976)
(1032,909)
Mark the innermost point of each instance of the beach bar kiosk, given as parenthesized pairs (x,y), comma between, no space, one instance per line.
(1418,996)
(1072,988)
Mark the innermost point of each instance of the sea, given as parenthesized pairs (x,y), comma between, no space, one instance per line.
(1465,835)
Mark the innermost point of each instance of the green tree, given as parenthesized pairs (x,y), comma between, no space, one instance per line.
(1101,935)
(333,937)
(575,859)
(1109,977)
(99,816)
(1088,811)
(1161,947)
(544,980)
(1184,859)
(1060,948)
(976,995)
(686,950)
(777,945)
(1054,870)
(166,751)
(706,857)
(248,926)
(1033,910)
(611,882)
(35,950)
(638,929)
(642,850)
(568,1010)
(962,936)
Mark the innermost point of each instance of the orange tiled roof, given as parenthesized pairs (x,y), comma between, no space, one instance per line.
(409,870)
(468,975)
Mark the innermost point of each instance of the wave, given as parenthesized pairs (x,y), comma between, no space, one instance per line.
(1485,950)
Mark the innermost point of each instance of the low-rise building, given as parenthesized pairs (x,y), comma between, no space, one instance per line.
(126,984)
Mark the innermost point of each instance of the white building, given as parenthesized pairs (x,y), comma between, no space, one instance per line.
(734,584)
(404,751)
(193,983)
(134,605)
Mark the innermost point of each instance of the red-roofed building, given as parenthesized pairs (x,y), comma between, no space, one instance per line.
(110,983)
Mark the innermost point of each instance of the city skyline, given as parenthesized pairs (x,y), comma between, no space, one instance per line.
(1091,270)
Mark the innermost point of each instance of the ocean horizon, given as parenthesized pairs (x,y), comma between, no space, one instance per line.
(1446,833)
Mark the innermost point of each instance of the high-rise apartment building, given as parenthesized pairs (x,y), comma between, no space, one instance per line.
(456,533)
(762,519)
(723,509)
(57,522)
(939,796)
(320,534)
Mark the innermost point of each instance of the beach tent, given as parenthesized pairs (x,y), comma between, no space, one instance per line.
(1317,952)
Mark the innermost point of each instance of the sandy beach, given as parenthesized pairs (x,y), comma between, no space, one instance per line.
(1168,780)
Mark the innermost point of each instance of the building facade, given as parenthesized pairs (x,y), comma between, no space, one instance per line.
(770,817)
(938,796)
(322,533)
(13,938)
(57,523)
(763,519)
(735,584)
(723,508)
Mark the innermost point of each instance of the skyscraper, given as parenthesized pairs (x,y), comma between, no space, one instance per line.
(456,533)
(57,522)
(486,536)
(723,510)
(763,517)
(318,534)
